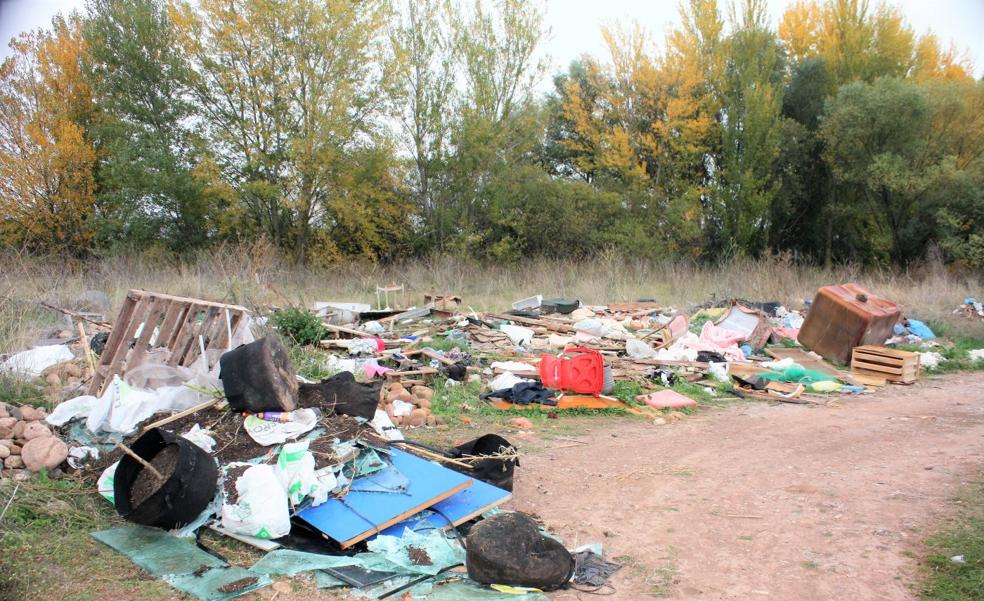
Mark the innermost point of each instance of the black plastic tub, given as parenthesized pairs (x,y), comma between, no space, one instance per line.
(186,492)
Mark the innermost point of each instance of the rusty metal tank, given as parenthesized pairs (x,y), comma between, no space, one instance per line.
(845,316)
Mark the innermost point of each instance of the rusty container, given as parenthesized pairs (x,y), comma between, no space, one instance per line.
(843,317)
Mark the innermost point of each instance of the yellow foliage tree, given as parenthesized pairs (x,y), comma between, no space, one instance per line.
(859,40)
(47,183)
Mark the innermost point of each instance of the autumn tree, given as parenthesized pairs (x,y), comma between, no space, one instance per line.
(862,40)
(47,161)
(288,91)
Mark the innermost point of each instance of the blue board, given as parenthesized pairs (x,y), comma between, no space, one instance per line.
(466,505)
(362,513)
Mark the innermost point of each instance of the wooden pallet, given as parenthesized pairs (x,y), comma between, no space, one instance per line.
(893,365)
(185,326)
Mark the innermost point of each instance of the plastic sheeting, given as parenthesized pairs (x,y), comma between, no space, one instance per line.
(181,564)
(289,562)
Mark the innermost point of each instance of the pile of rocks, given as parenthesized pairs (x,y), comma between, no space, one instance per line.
(403,415)
(26,442)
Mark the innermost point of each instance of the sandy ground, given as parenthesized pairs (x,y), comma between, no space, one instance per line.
(765,502)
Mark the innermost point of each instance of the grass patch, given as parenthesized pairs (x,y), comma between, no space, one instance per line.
(957,356)
(48,553)
(310,362)
(439,343)
(949,580)
(16,391)
(627,390)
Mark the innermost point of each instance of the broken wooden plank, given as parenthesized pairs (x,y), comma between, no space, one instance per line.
(555,326)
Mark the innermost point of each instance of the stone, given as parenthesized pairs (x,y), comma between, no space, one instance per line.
(36,430)
(21,475)
(522,423)
(6,442)
(659,421)
(15,449)
(71,370)
(19,429)
(431,420)
(4,452)
(3,411)
(45,452)
(422,403)
(417,417)
(7,422)
(30,414)
(53,379)
(422,392)
(13,462)
(6,432)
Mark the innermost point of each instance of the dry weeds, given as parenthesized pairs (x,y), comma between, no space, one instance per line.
(255,276)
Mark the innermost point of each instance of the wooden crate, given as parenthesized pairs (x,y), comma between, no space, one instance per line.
(895,366)
(185,326)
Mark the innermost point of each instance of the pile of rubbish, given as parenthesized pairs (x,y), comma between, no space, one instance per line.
(184,420)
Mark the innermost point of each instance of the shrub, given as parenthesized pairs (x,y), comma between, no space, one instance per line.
(299,325)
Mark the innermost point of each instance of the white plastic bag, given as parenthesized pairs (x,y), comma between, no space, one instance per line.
(261,508)
(637,349)
(267,432)
(31,363)
(201,437)
(295,468)
(385,427)
(517,334)
(105,484)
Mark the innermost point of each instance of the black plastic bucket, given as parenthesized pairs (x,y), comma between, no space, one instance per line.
(186,492)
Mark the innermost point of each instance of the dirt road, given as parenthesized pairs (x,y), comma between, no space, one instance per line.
(765,502)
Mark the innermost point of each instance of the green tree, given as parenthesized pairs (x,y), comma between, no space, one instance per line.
(289,90)
(745,181)
(425,48)
(148,151)
(897,145)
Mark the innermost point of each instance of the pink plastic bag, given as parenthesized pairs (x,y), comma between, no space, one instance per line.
(666,399)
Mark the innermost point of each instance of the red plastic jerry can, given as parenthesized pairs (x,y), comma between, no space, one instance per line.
(578,369)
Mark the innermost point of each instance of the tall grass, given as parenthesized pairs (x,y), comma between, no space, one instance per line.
(256,276)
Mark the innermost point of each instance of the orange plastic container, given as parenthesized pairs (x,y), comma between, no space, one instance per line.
(843,317)
(578,369)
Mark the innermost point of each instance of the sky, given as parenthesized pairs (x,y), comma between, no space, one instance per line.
(575,24)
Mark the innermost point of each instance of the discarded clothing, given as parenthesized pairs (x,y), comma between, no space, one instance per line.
(591,569)
(710,357)
(524,393)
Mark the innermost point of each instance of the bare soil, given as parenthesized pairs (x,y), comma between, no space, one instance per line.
(760,501)
(147,483)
